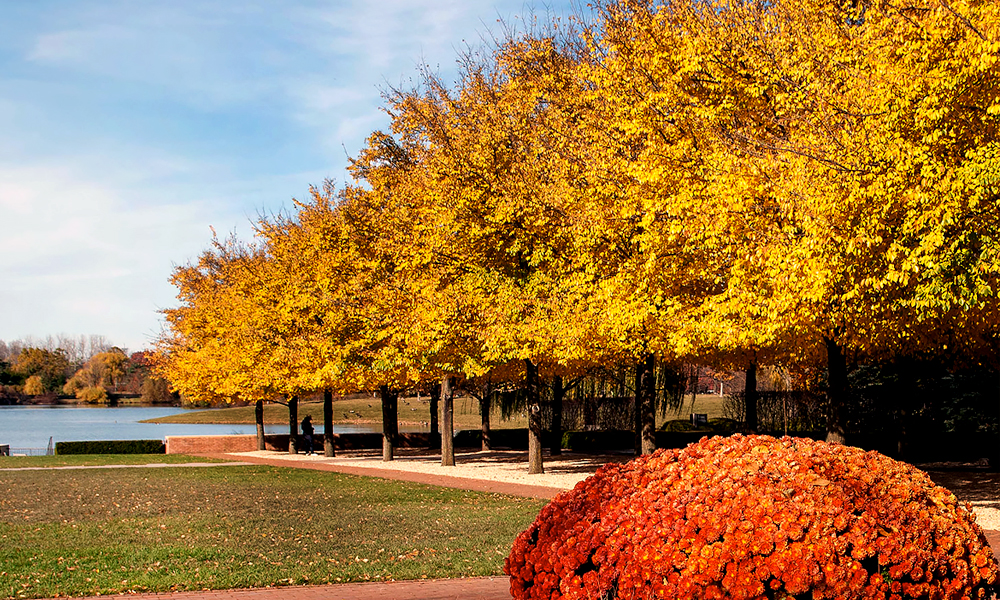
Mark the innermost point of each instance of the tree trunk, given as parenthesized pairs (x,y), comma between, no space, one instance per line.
(995,459)
(555,447)
(258,417)
(750,399)
(637,410)
(647,385)
(534,418)
(435,434)
(293,425)
(328,449)
(485,406)
(836,417)
(695,377)
(447,421)
(390,421)
(901,446)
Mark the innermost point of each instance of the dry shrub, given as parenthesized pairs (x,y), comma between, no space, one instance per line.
(754,517)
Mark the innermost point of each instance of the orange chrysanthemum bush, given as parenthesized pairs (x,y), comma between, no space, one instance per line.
(754,517)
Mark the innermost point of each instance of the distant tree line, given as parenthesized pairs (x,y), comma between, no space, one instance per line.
(86,368)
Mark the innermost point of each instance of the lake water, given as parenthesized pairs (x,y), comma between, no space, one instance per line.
(31,426)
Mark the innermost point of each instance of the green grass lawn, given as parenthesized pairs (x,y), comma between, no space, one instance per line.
(72,532)
(72,460)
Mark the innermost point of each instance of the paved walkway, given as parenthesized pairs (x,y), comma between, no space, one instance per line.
(473,588)
(141,466)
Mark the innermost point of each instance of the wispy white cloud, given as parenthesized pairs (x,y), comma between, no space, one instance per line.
(74,243)
(372,47)
(380,34)
(79,46)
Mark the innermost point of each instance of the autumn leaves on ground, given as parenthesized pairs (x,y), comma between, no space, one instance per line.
(73,532)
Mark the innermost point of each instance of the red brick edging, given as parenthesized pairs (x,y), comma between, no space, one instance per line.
(472,588)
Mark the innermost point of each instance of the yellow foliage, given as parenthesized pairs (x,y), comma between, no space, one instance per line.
(33,386)
(727,181)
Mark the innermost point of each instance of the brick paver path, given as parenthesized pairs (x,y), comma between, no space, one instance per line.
(473,588)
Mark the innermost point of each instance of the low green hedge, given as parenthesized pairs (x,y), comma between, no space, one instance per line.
(112,447)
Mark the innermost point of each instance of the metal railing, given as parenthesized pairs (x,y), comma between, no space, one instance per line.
(6,450)
(15,451)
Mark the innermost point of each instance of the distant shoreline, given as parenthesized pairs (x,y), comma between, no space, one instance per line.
(118,399)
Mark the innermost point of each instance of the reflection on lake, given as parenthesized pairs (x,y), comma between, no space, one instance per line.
(31,426)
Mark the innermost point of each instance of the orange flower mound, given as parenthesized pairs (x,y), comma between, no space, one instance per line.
(754,517)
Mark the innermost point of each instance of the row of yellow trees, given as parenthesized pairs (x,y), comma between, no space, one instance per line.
(733,182)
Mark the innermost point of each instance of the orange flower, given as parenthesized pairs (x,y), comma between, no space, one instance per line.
(705,521)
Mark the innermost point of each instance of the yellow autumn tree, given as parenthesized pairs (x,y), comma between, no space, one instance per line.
(219,345)
(821,164)
(737,182)
(102,371)
(503,230)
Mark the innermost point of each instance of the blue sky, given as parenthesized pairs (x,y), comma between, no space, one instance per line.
(129,128)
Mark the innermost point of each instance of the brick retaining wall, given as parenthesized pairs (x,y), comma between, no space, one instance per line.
(196,444)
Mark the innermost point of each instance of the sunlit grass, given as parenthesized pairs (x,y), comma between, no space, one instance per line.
(411,411)
(72,532)
(709,404)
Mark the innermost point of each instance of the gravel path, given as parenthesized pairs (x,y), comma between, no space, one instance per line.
(561,472)
(979,488)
